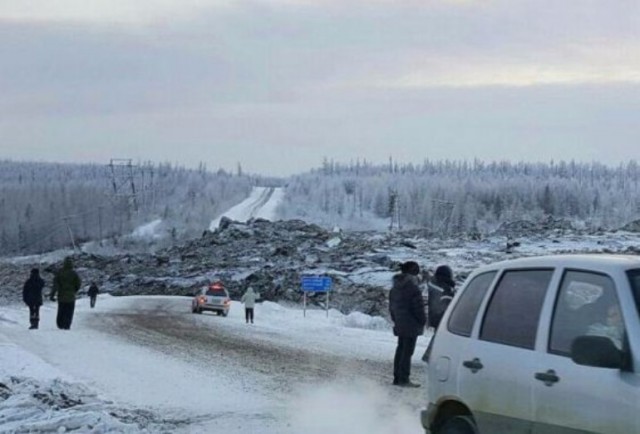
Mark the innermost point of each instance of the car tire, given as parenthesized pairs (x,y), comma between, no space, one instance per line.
(225,313)
(458,425)
(198,310)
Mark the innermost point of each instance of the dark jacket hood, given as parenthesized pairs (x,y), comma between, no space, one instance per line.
(67,264)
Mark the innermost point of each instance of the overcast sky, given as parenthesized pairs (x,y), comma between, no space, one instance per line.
(277,85)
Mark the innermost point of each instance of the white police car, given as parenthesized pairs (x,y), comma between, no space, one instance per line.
(213,298)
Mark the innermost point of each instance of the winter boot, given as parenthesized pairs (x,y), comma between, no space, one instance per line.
(409,384)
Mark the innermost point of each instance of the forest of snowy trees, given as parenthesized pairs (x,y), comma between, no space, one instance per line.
(450,197)
(44,205)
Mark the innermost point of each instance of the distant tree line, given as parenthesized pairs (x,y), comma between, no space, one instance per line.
(43,205)
(449,197)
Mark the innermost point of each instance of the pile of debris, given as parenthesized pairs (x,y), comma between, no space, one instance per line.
(548,225)
(272,257)
(633,226)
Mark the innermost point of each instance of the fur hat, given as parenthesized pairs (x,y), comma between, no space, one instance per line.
(444,272)
(410,267)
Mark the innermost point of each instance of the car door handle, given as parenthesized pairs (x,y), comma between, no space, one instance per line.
(474,365)
(548,378)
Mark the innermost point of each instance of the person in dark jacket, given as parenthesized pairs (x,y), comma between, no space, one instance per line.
(66,284)
(406,308)
(93,294)
(441,293)
(32,296)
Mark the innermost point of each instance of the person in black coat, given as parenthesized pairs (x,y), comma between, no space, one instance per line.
(93,294)
(32,296)
(406,307)
(440,294)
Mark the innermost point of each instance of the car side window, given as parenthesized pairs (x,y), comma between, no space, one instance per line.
(586,305)
(514,309)
(464,312)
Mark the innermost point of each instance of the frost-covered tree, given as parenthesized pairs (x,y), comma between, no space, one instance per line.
(461,196)
(41,203)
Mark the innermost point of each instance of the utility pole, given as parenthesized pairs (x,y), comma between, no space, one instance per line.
(122,179)
(394,212)
(100,222)
(447,208)
(73,243)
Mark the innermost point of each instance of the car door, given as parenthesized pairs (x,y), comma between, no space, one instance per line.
(495,368)
(576,398)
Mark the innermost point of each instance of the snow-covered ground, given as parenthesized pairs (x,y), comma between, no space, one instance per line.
(261,203)
(147,364)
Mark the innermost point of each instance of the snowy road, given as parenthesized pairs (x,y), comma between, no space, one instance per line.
(261,203)
(284,374)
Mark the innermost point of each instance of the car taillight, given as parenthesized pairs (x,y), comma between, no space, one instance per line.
(202,300)
(227,301)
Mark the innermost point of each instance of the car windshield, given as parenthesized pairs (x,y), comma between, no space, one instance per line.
(634,281)
(217,292)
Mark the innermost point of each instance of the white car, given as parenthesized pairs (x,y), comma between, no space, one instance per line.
(539,345)
(214,298)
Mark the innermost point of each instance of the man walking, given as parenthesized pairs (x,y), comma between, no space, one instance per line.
(93,294)
(66,284)
(32,297)
(406,307)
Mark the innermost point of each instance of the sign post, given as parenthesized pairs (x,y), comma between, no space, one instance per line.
(315,284)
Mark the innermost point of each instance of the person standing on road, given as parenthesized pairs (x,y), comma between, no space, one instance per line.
(441,293)
(66,284)
(249,300)
(32,297)
(406,307)
(93,294)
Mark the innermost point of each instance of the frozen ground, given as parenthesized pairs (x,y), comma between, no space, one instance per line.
(147,364)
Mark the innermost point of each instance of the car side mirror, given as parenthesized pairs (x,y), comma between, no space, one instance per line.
(596,351)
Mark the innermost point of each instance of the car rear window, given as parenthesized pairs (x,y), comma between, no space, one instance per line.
(465,311)
(217,292)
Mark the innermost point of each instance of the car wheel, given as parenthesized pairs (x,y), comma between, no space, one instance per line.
(458,425)
(218,312)
(198,310)
(225,313)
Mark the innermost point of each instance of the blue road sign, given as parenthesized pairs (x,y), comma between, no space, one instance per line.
(316,283)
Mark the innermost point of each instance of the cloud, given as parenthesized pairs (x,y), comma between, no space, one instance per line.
(314,78)
(104,11)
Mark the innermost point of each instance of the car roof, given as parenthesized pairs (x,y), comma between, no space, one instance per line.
(595,260)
